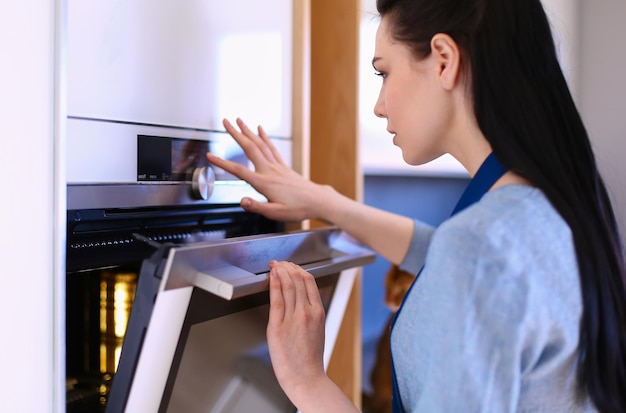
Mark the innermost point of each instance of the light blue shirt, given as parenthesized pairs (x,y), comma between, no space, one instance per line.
(492,323)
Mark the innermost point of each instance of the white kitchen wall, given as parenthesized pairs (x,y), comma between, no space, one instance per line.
(564,17)
(29,318)
(602,69)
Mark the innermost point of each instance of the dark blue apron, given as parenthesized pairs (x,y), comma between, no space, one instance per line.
(489,172)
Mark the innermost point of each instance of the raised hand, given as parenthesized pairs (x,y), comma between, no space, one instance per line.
(291,197)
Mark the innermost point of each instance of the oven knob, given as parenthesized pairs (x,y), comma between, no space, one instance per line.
(202,182)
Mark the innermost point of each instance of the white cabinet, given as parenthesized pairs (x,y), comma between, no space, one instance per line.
(31,349)
(172,68)
(182,63)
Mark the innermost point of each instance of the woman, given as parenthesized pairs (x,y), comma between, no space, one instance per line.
(520,303)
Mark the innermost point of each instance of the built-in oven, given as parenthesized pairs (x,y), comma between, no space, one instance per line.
(166,297)
(166,301)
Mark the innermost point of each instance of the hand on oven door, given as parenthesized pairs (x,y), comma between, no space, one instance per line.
(295,337)
(290,196)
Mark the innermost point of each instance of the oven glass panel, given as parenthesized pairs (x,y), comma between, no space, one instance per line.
(226,368)
(225,365)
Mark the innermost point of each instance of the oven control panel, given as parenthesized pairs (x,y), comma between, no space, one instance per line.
(161,158)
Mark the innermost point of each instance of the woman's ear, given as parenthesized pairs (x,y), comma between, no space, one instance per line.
(448,57)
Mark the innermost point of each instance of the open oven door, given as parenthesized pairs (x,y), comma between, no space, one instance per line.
(195,340)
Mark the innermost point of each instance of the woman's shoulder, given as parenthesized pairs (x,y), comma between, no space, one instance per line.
(513,229)
(513,250)
(512,215)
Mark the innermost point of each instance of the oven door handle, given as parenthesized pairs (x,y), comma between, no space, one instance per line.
(208,267)
(231,282)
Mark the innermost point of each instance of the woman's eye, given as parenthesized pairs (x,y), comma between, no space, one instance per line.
(380,74)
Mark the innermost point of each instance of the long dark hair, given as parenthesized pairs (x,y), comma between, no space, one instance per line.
(525,110)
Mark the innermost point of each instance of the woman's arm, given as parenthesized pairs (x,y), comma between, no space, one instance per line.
(295,337)
(293,198)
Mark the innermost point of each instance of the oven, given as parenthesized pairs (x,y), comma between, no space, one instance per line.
(166,290)
(166,284)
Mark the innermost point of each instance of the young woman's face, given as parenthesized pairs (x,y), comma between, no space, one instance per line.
(417,109)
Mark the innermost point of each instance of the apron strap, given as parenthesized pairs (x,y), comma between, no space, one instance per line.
(489,172)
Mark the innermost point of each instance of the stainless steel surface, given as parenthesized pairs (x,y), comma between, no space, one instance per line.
(150,194)
(203,182)
(239,267)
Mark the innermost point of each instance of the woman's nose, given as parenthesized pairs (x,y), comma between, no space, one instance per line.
(379,108)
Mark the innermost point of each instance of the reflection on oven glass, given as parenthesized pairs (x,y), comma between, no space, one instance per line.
(187,154)
(117,291)
(226,368)
(97,312)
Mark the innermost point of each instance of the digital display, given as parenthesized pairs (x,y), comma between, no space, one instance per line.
(161,158)
(169,159)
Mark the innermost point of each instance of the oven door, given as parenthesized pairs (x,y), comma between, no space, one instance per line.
(196,336)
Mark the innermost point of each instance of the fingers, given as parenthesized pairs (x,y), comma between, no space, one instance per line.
(305,285)
(270,145)
(249,146)
(296,285)
(234,168)
(312,291)
(289,286)
(273,210)
(277,303)
(285,294)
(258,148)
(262,141)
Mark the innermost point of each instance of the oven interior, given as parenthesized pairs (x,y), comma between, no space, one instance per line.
(104,259)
